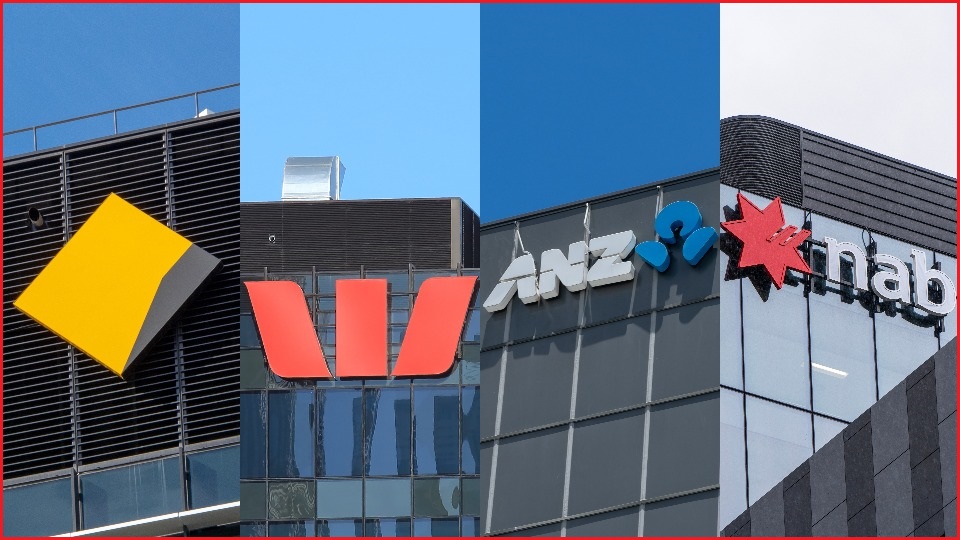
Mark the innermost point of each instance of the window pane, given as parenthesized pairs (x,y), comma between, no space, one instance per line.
(436,527)
(470,420)
(388,527)
(292,434)
(436,497)
(825,429)
(470,495)
(248,332)
(253,528)
(131,492)
(470,364)
(292,528)
(396,282)
(778,440)
(291,500)
(253,369)
(470,526)
(43,509)
(733,472)
(471,331)
(326,283)
(388,497)
(339,498)
(399,316)
(214,476)
(253,500)
(340,449)
(340,527)
(387,431)
(399,301)
(437,421)
(302,280)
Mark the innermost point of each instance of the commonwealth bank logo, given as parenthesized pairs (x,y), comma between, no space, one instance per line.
(116,284)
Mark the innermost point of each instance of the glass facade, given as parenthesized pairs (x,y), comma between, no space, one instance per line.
(360,457)
(799,363)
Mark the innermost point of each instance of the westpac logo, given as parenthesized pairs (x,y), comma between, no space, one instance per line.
(679,220)
(293,350)
(770,242)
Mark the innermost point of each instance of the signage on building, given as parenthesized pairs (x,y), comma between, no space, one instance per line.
(676,222)
(293,350)
(116,284)
(770,242)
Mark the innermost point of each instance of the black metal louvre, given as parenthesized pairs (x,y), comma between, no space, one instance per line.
(62,409)
(343,235)
(469,233)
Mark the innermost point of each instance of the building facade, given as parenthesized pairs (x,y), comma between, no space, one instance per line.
(365,456)
(87,452)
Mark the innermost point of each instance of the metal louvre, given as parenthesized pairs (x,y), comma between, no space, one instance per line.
(62,409)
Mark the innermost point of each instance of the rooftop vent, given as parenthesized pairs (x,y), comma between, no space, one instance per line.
(312,179)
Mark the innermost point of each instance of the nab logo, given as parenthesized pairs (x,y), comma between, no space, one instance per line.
(293,350)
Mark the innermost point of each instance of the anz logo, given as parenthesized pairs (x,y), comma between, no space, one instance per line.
(680,220)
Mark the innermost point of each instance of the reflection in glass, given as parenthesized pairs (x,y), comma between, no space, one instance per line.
(397,282)
(214,477)
(387,497)
(253,528)
(339,498)
(291,500)
(470,495)
(131,492)
(253,500)
(340,527)
(470,526)
(470,364)
(825,429)
(436,497)
(340,445)
(470,418)
(253,369)
(387,431)
(388,527)
(471,331)
(249,338)
(733,474)
(327,283)
(437,430)
(292,432)
(292,528)
(43,509)
(778,440)
(436,527)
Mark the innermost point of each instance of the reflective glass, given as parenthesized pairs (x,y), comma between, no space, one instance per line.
(253,500)
(340,446)
(399,301)
(340,527)
(292,528)
(470,364)
(387,497)
(436,430)
(778,440)
(436,497)
(388,527)
(327,335)
(396,282)
(397,333)
(733,462)
(470,496)
(469,526)
(470,422)
(43,509)
(326,318)
(327,283)
(214,476)
(399,316)
(450,377)
(339,498)
(471,331)
(132,492)
(387,431)
(248,332)
(825,429)
(731,345)
(253,528)
(303,280)
(292,430)
(327,303)
(291,500)
(436,527)
(420,277)
(253,369)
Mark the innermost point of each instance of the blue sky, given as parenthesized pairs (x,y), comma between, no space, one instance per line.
(66,60)
(394,90)
(580,100)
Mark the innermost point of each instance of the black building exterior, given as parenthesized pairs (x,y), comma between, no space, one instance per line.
(86,451)
(362,456)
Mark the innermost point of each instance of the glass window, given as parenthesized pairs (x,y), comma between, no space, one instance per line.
(387,431)
(778,440)
(825,429)
(43,509)
(303,280)
(470,422)
(470,495)
(253,528)
(339,498)
(399,301)
(470,364)
(470,526)
(399,316)
(327,335)
(249,338)
(292,528)
(388,527)
(214,476)
(451,377)
(340,448)
(327,303)
(731,346)
(471,332)
(340,527)
(396,282)
(436,497)
(733,462)
(436,527)
(387,497)
(291,500)
(327,283)
(253,500)
(132,492)
(437,430)
(420,277)
(253,369)
(292,431)
(397,333)
(326,318)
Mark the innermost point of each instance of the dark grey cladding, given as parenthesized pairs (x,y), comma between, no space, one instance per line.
(891,472)
(837,179)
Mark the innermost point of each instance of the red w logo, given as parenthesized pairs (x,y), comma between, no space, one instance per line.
(293,350)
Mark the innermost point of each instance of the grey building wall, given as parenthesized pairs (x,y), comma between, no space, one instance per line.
(891,472)
(600,409)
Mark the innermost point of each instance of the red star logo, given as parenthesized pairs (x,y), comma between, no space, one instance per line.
(767,239)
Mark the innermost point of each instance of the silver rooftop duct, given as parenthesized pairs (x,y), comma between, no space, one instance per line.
(312,179)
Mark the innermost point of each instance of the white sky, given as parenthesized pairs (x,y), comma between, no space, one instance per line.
(883,77)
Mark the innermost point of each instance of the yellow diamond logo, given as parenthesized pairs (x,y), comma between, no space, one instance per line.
(116,284)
